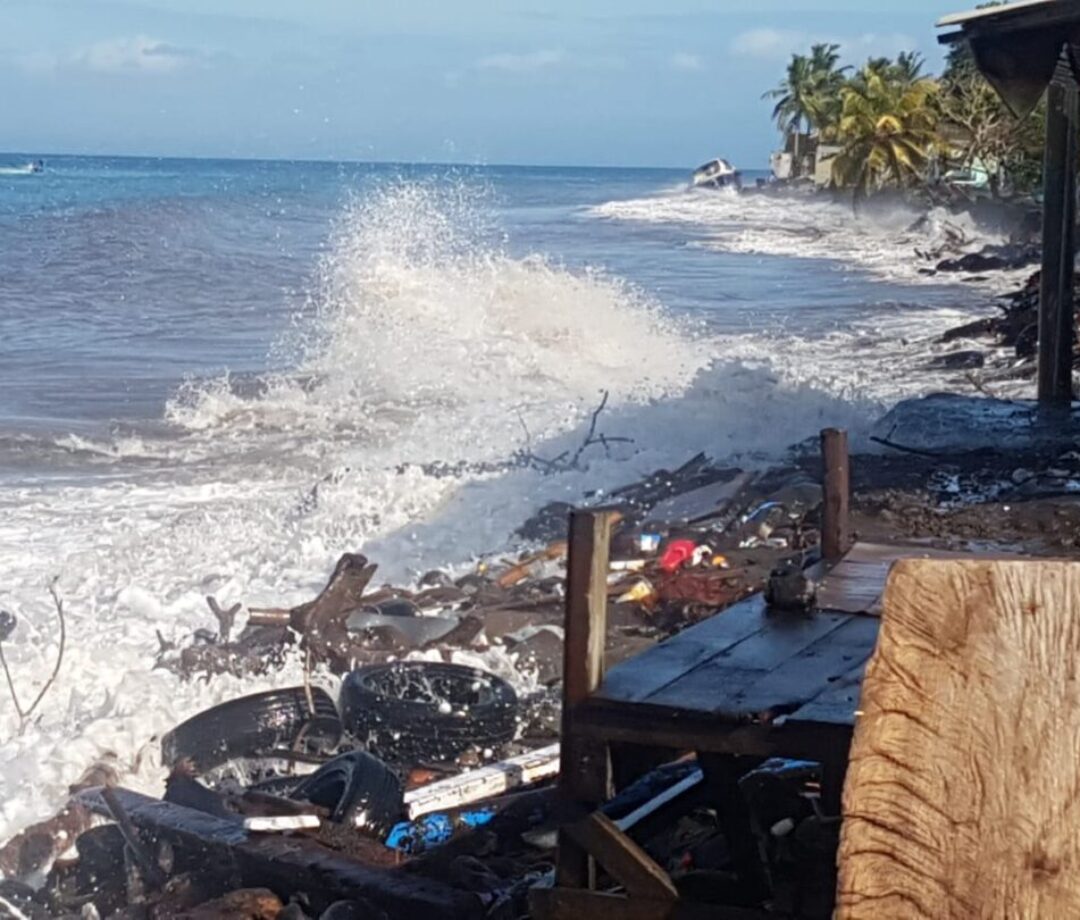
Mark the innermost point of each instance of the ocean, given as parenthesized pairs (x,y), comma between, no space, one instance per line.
(217,376)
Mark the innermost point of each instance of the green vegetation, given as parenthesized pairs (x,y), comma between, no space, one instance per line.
(890,125)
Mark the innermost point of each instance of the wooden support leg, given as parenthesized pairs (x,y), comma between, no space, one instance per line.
(1059,222)
(833,774)
(836,516)
(722,772)
(585,770)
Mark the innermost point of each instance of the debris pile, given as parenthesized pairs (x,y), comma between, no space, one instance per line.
(423,783)
(1015,328)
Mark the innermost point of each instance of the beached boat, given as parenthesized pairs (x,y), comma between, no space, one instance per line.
(715,174)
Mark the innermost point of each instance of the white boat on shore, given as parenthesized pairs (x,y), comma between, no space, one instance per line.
(716,173)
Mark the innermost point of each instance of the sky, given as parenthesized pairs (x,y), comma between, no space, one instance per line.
(545,82)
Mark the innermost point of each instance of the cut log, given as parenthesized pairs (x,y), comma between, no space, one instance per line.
(960,799)
(287,865)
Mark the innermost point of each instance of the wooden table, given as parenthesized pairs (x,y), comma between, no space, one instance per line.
(747,683)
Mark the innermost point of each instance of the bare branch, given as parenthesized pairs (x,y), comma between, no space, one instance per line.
(60,653)
(25,714)
(226,618)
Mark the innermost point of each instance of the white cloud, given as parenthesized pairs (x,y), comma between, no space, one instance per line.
(139,54)
(527,62)
(779,43)
(683,60)
(132,55)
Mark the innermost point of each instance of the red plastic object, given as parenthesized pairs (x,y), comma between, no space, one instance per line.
(677,554)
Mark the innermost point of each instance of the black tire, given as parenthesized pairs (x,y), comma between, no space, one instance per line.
(416,712)
(253,726)
(352,784)
(411,712)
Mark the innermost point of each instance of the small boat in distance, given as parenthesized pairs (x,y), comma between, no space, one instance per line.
(716,173)
(28,169)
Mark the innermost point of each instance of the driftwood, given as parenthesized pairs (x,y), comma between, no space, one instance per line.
(342,593)
(960,795)
(566,461)
(226,618)
(290,865)
(9,624)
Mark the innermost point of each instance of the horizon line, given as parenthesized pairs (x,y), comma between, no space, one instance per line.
(331,160)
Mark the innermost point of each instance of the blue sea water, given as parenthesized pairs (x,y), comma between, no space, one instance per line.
(218,376)
(119,277)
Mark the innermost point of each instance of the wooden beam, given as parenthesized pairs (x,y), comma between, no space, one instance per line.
(586,603)
(288,864)
(584,770)
(836,514)
(1059,248)
(624,860)
(960,799)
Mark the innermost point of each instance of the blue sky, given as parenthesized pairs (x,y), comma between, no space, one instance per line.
(633,82)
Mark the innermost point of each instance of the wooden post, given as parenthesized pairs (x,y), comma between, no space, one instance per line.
(835,521)
(584,772)
(1059,222)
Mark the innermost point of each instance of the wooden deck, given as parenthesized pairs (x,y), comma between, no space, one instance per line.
(751,680)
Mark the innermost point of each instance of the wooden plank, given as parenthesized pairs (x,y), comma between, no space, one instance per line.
(709,687)
(286,865)
(960,798)
(837,705)
(802,677)
(654,669)
(584,767)
(857,582)
(624,860)
(699,504)
(836,511)
(484,782)
(586,603)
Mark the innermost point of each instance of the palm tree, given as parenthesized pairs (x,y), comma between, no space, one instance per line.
(795,99)
(908,68)
(830,79)
(807,90)
(887,130)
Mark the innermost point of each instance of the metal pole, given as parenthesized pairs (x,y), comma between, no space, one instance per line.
(1059,224)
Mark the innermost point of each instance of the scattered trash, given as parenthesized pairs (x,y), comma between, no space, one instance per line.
(677,554)
(431,830)
(649,542)
(642,592)
(420,761)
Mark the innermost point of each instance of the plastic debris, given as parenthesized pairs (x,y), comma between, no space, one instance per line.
(677,554)
(414,837)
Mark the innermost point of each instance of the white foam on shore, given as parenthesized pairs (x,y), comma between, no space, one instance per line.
(422,343)
(810,227)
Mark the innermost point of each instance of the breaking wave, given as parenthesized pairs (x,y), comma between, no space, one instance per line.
(424,357)
(420,325)
(886,241)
